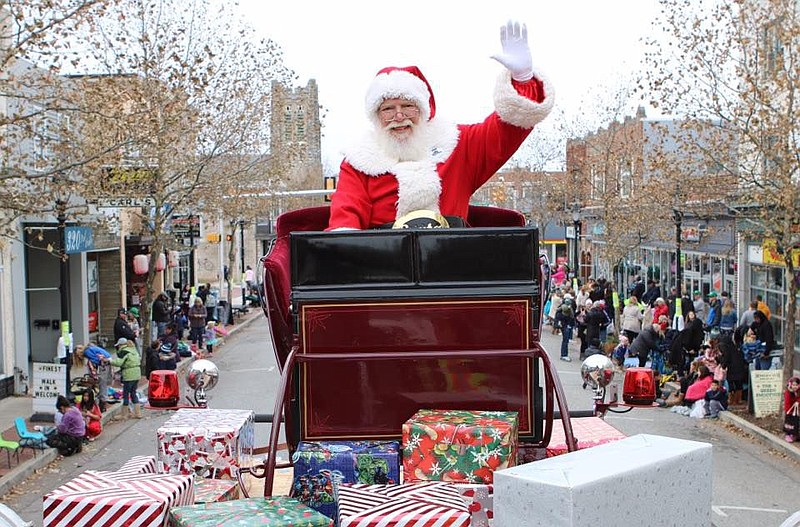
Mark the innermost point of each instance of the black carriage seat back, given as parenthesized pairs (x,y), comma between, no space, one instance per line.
(277,279)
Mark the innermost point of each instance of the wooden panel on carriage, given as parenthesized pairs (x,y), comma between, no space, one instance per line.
(415,290)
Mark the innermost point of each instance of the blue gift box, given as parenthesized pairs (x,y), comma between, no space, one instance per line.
(320,465)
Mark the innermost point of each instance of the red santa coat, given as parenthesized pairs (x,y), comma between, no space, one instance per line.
(374,189)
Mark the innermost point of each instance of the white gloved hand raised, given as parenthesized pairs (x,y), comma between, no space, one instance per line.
(516,55)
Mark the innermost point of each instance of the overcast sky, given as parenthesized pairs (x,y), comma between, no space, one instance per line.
(579,43)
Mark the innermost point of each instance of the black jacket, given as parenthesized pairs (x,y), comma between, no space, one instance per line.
(123,330)
(732,359)
(644,342)
(160,311)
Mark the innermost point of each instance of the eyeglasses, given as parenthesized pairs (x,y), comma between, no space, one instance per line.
(389,112)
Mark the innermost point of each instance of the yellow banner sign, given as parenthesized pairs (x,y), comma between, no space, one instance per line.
(772,256)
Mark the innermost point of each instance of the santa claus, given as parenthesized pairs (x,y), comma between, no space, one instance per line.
(412,160)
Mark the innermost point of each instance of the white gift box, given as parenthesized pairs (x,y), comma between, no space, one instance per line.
(610,485)
(210,443)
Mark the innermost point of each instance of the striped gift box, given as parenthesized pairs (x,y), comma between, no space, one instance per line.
(414,505)
(479,499)
(95,498)
(135,465)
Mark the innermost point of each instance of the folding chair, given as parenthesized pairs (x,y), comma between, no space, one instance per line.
(9,447)
(27,439)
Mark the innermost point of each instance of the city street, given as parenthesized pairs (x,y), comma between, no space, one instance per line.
(752,486)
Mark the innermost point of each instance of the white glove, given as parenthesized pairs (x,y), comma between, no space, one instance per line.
(516,55)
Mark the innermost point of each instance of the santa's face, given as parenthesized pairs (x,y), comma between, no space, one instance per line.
(399,117)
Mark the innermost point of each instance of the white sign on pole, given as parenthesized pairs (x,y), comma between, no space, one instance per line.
(49,381)
(126,202)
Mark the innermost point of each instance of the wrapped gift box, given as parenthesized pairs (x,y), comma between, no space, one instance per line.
(274,512)
(213,490)
(479,499)
(135,465)
(596,486)
(590,431)
(206,442)
(317,465)
(410,505)
(95,498)
(458,445)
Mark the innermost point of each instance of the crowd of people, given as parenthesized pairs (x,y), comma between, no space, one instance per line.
(169,344)
(702,341)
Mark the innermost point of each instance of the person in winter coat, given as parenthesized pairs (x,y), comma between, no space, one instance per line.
(161,314)
(653,292)
(412,160)
(732,359)
(697,390)
(565,318)
(692,335)
(197,322)
(791,410)
(714,311)
(660,309)
(764,333)
(129,363)
(632,318)
(716,399)
(728,318)
(596,321)
(700,307)
(122,330)
(646,342)
(555,305)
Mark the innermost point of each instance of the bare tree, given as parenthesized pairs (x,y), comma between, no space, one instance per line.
(737,64)
(179,90)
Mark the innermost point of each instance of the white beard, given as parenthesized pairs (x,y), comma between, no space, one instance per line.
(414,147)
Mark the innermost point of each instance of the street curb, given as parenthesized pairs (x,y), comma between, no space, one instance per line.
(26,469)
(771,440)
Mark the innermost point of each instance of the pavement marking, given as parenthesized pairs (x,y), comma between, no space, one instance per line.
(271,368)
(718,509)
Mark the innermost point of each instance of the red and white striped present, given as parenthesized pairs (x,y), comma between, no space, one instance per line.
(412,505)
(135,465)
(206,442)
(589,431)
(96,498)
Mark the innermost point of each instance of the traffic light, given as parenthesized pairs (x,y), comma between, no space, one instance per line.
(330,184)
(228,237)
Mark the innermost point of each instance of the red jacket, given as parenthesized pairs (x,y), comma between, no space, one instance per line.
(374,188)
(697,390)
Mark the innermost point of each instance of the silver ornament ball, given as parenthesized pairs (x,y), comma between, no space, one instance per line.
(203,373)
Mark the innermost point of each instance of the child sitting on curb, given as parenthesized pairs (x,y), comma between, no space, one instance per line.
(716,399)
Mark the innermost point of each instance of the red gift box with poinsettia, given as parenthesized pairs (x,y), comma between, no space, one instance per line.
(460,446)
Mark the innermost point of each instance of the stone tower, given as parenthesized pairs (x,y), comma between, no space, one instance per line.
(295,140)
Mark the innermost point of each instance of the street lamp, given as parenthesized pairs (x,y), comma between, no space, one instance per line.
(576,228)
(677,217)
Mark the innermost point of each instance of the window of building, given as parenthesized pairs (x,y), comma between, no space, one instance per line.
(625,180)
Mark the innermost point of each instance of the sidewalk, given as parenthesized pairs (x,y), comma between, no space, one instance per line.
(552,343)
(13,407)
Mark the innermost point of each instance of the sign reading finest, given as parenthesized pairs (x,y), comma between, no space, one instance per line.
(126,202)
(49,381)
(767,386)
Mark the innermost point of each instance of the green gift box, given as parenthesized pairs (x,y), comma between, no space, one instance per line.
(458,445)
(275,512)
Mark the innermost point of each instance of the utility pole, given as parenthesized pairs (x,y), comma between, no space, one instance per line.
(64,283)
(241,257)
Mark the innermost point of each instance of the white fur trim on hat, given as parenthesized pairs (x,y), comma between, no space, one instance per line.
(397,84)
(520,111)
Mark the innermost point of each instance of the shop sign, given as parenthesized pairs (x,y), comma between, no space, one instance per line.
(772,256)
(186,226)
(49,381)
(767,386)
(78,239)
(691,233)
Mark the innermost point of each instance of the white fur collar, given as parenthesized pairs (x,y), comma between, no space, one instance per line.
(419,185)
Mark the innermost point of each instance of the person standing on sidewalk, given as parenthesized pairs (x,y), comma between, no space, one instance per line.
(197,323)
(565,319)
(129,363)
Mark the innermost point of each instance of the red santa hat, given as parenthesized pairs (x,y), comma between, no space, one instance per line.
(401,83)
